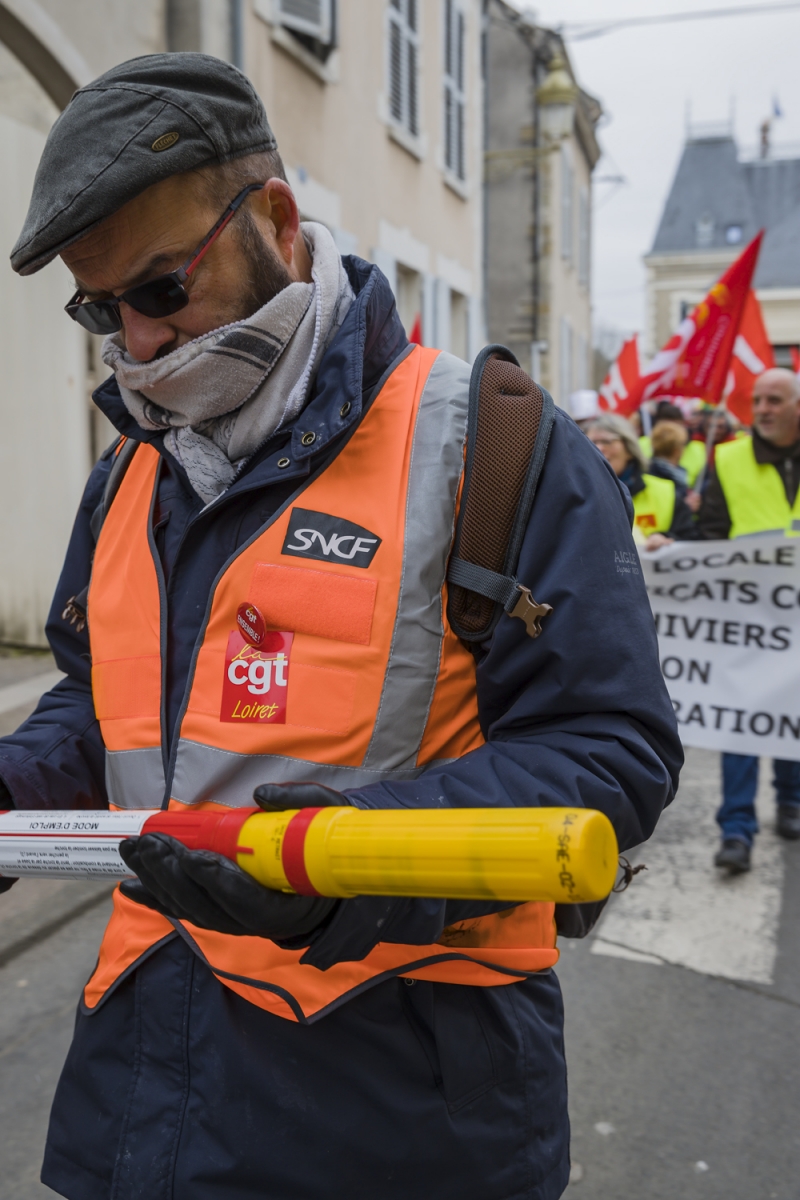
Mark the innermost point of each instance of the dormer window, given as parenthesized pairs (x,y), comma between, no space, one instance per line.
(704,231)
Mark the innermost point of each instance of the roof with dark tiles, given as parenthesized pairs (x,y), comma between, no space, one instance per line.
(717,202)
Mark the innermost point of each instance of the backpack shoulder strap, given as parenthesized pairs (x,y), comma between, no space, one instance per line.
(509,423)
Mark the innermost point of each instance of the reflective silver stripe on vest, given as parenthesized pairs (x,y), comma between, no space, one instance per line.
(135,778)
(437,460)
(207,773)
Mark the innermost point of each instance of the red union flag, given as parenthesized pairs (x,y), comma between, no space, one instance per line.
(752,355)
(695,360)
(621,391)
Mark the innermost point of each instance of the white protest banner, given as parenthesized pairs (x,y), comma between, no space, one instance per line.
(728,622)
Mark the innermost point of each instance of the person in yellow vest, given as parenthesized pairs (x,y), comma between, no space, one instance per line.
(665,410)
(693,459)
(693,456)
(668,445)
(660,513)
(754,487)
(254,608)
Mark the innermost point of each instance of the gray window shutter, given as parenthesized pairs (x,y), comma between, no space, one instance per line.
(404,64)
(454,80)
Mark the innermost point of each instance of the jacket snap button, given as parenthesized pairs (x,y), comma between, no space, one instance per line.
(345,409)
(283,462)
(308,439)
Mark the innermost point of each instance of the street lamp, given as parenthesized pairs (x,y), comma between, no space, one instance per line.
(556,98)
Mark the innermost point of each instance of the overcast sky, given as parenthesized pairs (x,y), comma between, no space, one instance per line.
(644,79)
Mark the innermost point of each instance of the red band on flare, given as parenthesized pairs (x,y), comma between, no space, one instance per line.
(200,829)
(293,852)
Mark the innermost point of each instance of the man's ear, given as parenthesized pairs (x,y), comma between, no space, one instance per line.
(275,203)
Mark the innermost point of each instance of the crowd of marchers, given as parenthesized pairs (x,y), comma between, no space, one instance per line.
(698,475)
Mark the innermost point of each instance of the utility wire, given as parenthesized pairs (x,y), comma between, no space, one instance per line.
(581,31)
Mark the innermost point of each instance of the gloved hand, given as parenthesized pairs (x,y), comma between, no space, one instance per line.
(212,892)
(6,802)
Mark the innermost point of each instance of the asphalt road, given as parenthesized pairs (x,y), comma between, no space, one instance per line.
(682,1018)
(684,1071)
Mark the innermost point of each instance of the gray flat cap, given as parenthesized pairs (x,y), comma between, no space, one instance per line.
(141,122)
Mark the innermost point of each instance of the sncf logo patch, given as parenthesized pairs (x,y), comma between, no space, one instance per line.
(329,539)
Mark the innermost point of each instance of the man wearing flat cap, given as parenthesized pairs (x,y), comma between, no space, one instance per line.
(253,607)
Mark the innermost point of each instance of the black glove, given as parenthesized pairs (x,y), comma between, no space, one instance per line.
(6,802)
(277,797)
(212,892)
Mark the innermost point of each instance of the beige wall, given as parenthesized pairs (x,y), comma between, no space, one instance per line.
(106,32)
(50,432)
(44,450)
(386,196)
(538,282)
(566,298)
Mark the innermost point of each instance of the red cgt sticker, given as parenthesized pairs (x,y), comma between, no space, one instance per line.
(256,678)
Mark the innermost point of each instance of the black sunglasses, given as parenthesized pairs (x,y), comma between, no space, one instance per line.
(159,297)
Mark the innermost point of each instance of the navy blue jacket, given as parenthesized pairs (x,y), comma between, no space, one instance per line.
(579,716)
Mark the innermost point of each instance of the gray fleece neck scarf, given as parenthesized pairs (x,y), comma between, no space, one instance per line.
(222,395)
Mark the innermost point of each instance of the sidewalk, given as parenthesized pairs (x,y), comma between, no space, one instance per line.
(49,933)
(682,1016)
(23,678)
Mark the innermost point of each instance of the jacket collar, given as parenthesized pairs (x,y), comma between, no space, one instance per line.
(765,452)
(370,339)
(632,477)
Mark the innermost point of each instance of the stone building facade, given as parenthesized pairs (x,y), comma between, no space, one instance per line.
(541,149)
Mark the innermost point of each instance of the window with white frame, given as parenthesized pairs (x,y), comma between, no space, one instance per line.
(404,64)
(459,325)
(454,96)
(584,244)
(313,17)
(311,22)
(408,294)
(567,188)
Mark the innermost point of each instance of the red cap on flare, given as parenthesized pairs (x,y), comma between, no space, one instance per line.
(203,830)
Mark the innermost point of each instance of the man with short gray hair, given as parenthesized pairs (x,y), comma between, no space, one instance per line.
(754,487)
(254,607)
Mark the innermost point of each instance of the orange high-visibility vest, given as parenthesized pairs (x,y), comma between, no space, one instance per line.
(364,680)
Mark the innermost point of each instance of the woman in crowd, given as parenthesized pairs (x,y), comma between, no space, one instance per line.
(661,515)
(669,445)
(668,440)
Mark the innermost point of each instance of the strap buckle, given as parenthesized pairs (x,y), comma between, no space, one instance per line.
(529,612)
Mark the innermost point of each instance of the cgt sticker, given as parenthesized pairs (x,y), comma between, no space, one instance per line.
(256,679)
(646,522)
